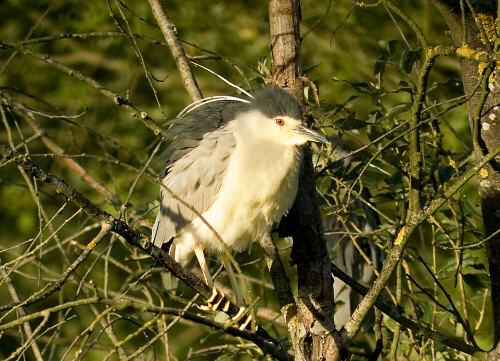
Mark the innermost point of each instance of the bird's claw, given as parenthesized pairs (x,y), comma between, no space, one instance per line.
(215,302)
(239,317)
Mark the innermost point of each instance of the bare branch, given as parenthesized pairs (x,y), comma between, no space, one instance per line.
(396,252)
(170,33)
(134,238)
(408,323)
(117,99)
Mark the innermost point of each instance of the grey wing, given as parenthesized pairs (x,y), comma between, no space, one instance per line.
(187,132)
(196,178)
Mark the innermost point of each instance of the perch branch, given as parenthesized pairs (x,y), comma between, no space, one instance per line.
(131,236)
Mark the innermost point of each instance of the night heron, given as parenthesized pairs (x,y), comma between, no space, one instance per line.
(236,161)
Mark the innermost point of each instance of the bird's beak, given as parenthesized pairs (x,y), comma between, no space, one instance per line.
(309,134)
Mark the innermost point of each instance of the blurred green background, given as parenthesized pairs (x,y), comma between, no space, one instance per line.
(363,62)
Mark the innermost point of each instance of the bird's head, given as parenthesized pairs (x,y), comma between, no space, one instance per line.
(274,116)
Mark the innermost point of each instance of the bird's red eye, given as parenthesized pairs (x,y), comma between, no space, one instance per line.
(280,121)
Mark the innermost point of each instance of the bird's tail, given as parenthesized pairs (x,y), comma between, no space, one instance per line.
(154,232)
(170,282)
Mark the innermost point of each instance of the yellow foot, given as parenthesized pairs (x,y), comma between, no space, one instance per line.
(242,319)
(246,323)
(215,300)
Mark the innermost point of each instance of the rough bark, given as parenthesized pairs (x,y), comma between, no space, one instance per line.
(484,115)
(284,24)
(314,336)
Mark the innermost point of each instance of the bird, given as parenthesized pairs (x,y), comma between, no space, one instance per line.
(235,161)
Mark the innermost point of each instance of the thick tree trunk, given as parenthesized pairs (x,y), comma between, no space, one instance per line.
(315,337)
(284,26)
(484,115)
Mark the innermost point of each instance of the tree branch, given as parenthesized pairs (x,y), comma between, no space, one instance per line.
(170,34)
(280,280)
(117,99)
(119,305)
(132,237)
(315,335)
(397,316)
(396,252)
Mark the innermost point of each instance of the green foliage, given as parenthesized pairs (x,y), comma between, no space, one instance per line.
(366,72)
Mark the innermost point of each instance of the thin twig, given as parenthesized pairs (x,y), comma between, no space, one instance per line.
(398,316)
(170,34)
(117,99)
(266,342)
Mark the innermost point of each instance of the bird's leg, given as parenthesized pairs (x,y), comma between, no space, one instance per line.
(215,300)
(198,251)
(226,261)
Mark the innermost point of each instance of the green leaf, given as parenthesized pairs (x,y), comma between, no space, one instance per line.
(396,178)
(388,47)
(351,122)
(398,109)
(473,208)
(386,52)
(324,184)
(392,45)
(380,65)
(477,280)
(390,324)
(360,212)
(451,265)
(145,230)
(382,198)
(408,58)
(225,357)
(262,66)
(405,87)
(310,68)
(479,266)
(411,253)
(360,87)
(447,213)
(427,312)
(328,107)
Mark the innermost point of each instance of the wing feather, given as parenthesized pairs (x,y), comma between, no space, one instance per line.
(196,178)
(186,133)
